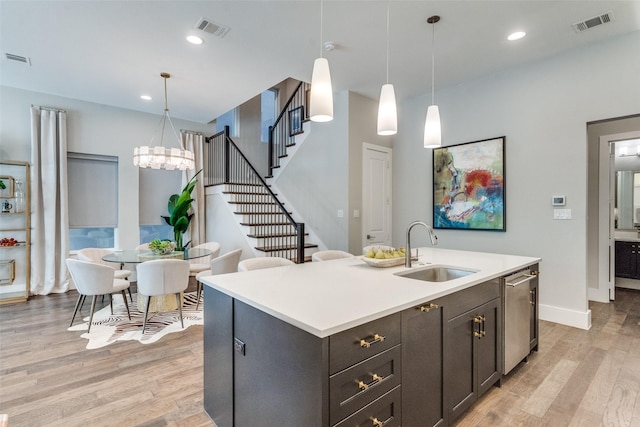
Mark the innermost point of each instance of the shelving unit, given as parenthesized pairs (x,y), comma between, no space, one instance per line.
(15,261)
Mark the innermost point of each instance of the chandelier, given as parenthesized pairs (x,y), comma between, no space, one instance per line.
(160,157)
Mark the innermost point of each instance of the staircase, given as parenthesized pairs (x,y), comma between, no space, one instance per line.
(269,227)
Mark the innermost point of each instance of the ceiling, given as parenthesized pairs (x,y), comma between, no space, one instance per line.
(110,52)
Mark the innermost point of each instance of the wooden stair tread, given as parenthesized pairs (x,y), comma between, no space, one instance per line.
(260,213)
(254,224)
(285,247)
(253,203)
(267,236)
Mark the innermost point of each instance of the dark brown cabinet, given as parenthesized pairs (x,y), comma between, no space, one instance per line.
(473,350)
(423,366)
(627,260)
(423,370)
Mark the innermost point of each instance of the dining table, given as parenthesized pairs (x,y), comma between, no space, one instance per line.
(137,256)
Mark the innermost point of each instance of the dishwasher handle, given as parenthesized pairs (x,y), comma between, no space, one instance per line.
(523,279)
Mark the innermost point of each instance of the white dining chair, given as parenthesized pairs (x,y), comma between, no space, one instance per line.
(329,254)
(197,265)
(226,263)
(162,277)
(95,280)
(263,262)
(95,255)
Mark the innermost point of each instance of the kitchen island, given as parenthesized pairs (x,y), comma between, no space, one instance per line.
(331,343)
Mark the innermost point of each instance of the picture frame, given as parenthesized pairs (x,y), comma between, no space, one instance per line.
(296,117)
(469,186)
(307,102)
(8,191)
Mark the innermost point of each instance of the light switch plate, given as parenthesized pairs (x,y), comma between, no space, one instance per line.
(340,213)
(562,214)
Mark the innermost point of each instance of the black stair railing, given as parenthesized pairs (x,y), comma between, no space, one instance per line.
(261,209)
(287,125)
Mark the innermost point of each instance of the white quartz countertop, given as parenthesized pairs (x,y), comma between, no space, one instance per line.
(324,298)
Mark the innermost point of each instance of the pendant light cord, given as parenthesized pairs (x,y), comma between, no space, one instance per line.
(433,65)
(321,15)
(387,43)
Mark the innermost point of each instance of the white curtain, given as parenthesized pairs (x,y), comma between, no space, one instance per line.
(196,233)
(49,201)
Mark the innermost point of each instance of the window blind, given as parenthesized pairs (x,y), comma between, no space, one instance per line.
(93,190)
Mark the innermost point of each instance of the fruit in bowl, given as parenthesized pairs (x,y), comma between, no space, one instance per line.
(380,253)
(162,247)
(8,241)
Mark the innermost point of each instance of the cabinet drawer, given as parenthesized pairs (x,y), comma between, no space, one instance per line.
(356,344)
(364,382)
(468,299)
(385,410)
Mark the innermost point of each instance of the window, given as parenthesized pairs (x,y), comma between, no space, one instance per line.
(155,188)
(93,200)
(232,119)
(268,111)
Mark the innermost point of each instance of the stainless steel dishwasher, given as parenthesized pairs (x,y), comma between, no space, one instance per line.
(517,318)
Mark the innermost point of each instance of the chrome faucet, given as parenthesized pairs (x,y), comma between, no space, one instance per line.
(432,236)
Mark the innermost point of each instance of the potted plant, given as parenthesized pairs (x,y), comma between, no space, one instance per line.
(179,216)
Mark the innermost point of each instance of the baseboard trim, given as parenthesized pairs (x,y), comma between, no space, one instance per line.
(598,295)
(576,319)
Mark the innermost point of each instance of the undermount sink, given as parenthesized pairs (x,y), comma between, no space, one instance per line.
(435,273)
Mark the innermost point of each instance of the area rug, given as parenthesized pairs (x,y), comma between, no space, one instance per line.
(108,328)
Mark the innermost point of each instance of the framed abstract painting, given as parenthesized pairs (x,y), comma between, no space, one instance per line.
(469,186)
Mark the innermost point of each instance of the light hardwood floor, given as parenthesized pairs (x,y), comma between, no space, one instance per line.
(48,378)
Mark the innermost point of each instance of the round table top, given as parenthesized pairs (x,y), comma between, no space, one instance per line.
(137,256)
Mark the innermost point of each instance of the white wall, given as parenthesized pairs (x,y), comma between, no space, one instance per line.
(315,183)
(91,128)
(543,110)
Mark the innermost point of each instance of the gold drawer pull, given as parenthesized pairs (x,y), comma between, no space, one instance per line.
(377,423)
(426,308)
(376,338)
(477,334)
(375,379)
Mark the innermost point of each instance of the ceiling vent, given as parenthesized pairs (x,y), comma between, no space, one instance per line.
(17,58)
(594,22)
(212,28)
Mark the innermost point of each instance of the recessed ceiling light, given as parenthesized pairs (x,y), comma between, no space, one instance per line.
(194,39)
(516,36)
(145,97)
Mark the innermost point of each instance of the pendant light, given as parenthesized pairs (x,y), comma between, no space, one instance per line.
(159,157)
(387,111)
(432,132)
(321,99)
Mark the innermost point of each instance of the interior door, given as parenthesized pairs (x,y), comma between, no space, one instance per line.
(376,195)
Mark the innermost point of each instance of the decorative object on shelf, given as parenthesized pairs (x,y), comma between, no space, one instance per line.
(179,216)
(18,205)
(9,241)
(432,130)
(387,111)
(469,186)
(321,107)
(7,271)
(159,157)
(295,120)
(162,247)
(6,187)
(6,206)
